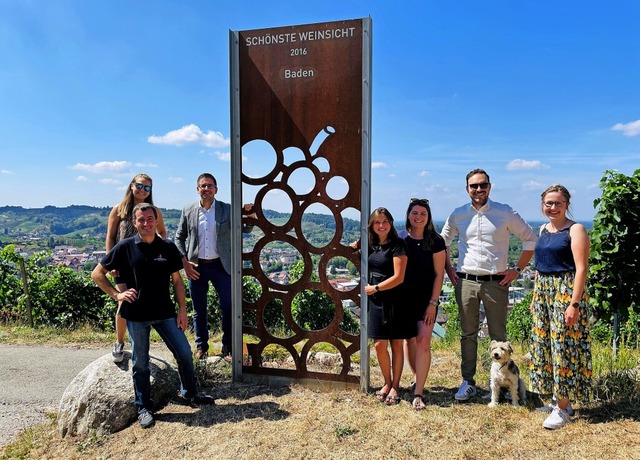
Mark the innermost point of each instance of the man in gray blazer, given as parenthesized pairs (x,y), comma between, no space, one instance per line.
(204,240)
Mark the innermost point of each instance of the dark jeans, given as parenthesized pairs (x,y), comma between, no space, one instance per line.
(177,344)
(215,273)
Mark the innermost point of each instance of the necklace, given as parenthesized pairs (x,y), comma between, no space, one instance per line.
(416,238)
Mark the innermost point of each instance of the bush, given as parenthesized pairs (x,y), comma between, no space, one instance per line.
(59,296)
(453,329)
(519,321)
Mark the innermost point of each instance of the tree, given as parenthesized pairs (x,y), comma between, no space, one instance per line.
(614,265)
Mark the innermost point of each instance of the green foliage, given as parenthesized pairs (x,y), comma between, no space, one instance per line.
(58,296)
(314,310)
(616,377)
(614,265)
(601,332)
(519,321)
(454,330)
(10,285)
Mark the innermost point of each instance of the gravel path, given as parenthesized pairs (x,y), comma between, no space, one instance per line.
(32,381)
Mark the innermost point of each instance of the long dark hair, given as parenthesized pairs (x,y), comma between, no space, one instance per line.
(430,233)
(374,240)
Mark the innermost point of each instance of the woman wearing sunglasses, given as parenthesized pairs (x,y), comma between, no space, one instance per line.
(120,226)
(422,283)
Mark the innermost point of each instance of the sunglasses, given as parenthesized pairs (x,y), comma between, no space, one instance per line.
(147,188)
(205,186)
(482,186)
(419,200)
(557,204)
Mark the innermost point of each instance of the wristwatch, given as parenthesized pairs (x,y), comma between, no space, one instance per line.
(575,305)
(518,269)
(377,288)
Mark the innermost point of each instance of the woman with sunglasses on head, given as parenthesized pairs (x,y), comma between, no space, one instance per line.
(120,226)
(561,345)
(389,319)
(423,279)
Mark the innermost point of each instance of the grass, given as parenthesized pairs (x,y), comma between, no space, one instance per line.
(294,422)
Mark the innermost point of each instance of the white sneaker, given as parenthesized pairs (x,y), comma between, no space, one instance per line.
(557,419)
(465,391)
(552,405)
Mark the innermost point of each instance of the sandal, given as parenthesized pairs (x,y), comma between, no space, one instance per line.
(418,402)
(381,396)
(392,400)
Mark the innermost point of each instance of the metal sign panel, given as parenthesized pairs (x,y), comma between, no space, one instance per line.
(300,139)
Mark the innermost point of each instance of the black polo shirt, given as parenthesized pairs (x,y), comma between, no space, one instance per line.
(146,267)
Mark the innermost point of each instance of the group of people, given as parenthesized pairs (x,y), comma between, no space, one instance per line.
(406,272)
(144,263)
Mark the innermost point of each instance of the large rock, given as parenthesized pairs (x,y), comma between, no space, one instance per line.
(101,396)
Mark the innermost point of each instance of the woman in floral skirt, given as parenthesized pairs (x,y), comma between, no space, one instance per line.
(560,345)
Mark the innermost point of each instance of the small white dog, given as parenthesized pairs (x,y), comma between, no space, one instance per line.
(505,374)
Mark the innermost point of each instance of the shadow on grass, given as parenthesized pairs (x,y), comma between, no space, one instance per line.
(611,411)
(212,415)
(444,397)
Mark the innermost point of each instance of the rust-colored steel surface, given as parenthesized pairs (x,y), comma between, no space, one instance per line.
(301,90)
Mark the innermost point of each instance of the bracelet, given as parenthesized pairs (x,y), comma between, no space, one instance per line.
(433,302)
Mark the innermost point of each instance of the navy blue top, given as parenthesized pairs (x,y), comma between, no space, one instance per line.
(553,252)
(146,267)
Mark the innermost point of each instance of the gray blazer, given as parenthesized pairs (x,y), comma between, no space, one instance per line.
(187,233)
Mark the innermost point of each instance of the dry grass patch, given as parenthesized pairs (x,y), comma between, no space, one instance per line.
(259,422)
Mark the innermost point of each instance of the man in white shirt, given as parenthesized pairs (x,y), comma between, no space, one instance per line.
(483,229)
(204,240)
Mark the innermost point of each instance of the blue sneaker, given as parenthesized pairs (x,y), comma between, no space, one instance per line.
(145,418)
(465,391)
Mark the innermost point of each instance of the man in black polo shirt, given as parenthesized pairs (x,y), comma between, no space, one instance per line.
(147,264)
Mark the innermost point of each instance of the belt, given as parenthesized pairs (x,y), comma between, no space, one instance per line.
(208,261)
(467,276)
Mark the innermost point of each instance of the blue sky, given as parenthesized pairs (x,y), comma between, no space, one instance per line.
(535,92)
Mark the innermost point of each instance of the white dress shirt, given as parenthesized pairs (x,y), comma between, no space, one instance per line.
(483,236)
(207,236)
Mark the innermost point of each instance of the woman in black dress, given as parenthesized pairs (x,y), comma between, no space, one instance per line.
(422,284)
(389,319)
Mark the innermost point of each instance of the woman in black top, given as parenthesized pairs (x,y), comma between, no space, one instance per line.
(389,319)
(422,284)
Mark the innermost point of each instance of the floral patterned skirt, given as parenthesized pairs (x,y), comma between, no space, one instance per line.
(560,356)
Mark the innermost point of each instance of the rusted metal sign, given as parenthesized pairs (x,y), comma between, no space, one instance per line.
(300,132)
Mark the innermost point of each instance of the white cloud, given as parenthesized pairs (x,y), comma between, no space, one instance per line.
(378,164)
(6,171)
(104,167)
(424,173)
(176,180)
(223,156)
(532,186)
(109,181)
(526,164)
(628,129)
(82,179)
(393,176)
(190,134)
(146,165)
